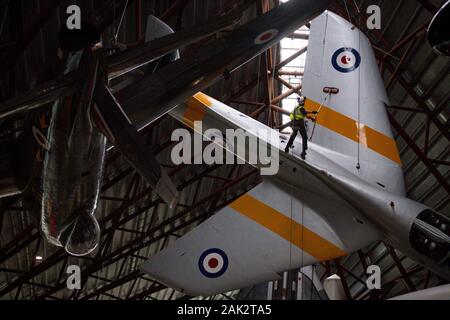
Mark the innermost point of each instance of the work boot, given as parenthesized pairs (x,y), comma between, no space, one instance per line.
(303,155)
(286,149)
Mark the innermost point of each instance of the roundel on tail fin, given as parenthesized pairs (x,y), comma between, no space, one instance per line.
(346,60)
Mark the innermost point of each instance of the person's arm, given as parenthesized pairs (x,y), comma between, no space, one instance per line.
(308,113)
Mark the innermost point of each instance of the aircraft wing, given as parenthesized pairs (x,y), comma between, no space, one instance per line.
(158,93)
(273,228)
(257,237)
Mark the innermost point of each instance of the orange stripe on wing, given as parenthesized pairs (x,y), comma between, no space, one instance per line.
(195,108)
(347,127)
(290,230)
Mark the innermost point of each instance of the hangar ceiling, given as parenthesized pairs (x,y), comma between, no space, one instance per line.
(136,224)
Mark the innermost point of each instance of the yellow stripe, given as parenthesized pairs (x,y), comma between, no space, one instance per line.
(347,127)
(288,229)
(195,108)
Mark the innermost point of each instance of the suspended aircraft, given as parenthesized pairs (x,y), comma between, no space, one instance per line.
(71,118)
(347,194)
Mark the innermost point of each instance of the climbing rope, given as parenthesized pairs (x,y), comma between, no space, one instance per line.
(324,99)
(116,35)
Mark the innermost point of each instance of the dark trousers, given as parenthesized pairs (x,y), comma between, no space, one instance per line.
(302,129)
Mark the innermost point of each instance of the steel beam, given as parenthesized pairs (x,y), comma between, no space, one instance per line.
(400,64)
(291,58)
(40,20)
(401,268)
(421,103)
(340,273)
(287,94)
(414,147)
(144,294)
(290,73)
(429,6)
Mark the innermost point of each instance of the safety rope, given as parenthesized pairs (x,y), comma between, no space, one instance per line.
(116,35)
(324,99)
(348,12)
(303,228)
(358,9)
(258,77)
(291,225)
(358,165)
(273,80)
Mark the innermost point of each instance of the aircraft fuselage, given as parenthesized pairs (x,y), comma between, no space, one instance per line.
(72,172)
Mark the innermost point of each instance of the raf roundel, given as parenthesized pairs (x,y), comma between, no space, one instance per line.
(266,36)
(346,60)
(213,263)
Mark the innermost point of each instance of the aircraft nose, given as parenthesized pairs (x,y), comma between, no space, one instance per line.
(83,237)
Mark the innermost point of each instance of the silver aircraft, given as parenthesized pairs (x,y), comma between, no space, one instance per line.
(70,118)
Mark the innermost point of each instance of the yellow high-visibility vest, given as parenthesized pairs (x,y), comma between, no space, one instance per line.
(297,114)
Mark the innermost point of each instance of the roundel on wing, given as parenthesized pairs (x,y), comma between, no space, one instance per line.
(266,36)
(213,263)
(346,60)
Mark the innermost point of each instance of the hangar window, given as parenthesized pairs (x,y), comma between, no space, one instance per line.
(292,72)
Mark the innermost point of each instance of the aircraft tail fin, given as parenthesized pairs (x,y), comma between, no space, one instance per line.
(352,121)
(156,29)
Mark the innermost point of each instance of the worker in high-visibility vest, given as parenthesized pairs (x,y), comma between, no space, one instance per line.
(298,117)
